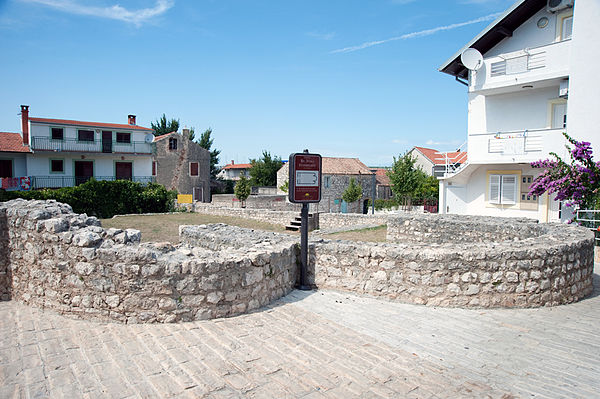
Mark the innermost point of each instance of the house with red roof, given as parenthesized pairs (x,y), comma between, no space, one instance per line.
(233,171)
(436,163)
(64,152)
(335,178)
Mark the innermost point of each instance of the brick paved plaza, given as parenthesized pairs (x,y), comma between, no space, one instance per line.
(309,345)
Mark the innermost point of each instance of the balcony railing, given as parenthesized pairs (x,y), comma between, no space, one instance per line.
(520,67)
(71,181)
(99,146)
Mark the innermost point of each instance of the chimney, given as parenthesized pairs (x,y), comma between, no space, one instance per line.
(25,123)
(185,132)
(232,162)
(131,119)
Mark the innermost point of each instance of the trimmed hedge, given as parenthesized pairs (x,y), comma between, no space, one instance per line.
(104,199)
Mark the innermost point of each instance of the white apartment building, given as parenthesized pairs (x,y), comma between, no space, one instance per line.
(65,153)
(534,76)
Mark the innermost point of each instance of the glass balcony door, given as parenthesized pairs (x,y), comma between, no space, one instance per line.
(106,141)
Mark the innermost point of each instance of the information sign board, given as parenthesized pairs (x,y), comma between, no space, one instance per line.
(305,178)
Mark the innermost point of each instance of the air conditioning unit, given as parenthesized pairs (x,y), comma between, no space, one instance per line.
(557,5)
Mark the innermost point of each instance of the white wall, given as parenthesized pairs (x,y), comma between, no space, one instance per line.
(527,35)
(39,164)
(19,163)
(70,132)
(421,161)
(584,82)
(471,199)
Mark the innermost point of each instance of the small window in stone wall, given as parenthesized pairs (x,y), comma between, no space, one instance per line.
(172,143)
(326,181)
(193,168)
(153,168)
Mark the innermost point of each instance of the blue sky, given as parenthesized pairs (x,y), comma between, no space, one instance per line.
(339,77)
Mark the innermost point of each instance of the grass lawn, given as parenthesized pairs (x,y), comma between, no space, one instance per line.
(369,234)
(157,228)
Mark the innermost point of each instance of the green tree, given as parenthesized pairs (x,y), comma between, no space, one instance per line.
(405,178)
(429,187)
(242,189)
(162,126)
(264,170)
(206,142)
(285,186)
(353,191)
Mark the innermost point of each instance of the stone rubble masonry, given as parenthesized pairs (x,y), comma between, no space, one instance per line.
(57,259)
(64,261)
(447,260)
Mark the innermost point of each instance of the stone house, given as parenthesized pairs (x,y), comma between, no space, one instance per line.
(383,184)
(336,176)
(181,164)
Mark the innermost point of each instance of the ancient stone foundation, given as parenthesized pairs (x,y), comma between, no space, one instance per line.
(51,257)
(67,262)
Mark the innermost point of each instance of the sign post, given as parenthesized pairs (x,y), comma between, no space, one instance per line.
(304,188)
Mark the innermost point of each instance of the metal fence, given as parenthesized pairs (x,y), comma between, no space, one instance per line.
(74,145)
(70,181)
(590,218)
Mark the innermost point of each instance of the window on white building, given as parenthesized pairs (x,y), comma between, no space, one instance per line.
(57,133)
(559,115)
(566,28)
(503,189)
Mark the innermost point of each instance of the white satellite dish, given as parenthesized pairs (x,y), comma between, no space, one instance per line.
(472,59)
(149,138)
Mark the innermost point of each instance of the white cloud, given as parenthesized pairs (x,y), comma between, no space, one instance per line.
(322,35)
(136,17)
(413,35)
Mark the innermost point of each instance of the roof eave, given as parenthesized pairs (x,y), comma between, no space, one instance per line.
(488,29)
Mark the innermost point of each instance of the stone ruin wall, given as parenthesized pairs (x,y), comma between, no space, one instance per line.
(67,262)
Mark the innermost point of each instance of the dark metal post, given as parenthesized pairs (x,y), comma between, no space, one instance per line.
(373,193)
(304,247)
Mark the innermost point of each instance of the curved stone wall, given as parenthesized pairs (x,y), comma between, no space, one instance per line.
(67,262)
(51,257)
(449,260)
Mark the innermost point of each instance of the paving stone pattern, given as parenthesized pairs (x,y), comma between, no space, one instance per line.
(319,344)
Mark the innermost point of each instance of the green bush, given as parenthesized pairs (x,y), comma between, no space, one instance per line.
(105,199)
(384,203)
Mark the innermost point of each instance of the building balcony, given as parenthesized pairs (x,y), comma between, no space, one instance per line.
(522,146)
(71,181)
(96,146)
(545,65)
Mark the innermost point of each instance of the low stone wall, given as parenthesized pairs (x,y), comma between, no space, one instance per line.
(551,269)
(67,262)
(5,271)
(280,218)
(259,201)
(433,228)
(338,220)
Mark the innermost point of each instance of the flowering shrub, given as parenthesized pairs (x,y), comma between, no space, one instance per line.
(577,182)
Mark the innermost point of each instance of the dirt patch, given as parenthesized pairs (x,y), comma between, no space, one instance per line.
(369,234)
(157,228)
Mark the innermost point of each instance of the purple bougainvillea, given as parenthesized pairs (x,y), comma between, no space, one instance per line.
(577,183)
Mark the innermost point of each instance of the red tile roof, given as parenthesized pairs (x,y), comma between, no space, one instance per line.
(88,124)
(163,136)
(344,166)
(381,176)
(238,166)
(12,142)
(438,157)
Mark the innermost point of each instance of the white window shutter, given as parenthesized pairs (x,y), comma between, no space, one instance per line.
(567,28)
(509,189)
(494,189)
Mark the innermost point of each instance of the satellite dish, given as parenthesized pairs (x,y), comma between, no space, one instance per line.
(472,59)
(149,138)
